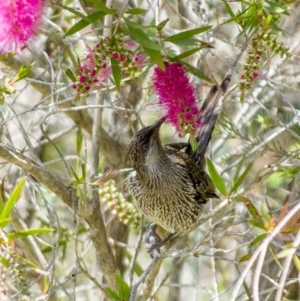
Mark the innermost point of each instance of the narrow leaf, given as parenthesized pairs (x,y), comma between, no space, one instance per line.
(4,261)
(245,257)
(238,170)
(75,175)
(296,262)
(132,24)
(241,179)
(4,222)
(216,178)
(83,171)
(185,54)
(196,72)
(113,294)
(258,222)
(71,75)
(101,6)
(75,12)
(79,140)
(117,74)
(257,240)
(284,253)
(136,11)
(92,18)
(144,41)
(13,198)
(141,37)
(187,34)
(22,73)
(155,57)
(162,24)
(25,233)
(228,8)
(192,42)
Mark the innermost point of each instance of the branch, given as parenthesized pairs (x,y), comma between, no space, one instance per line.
(113,150)
(55,183)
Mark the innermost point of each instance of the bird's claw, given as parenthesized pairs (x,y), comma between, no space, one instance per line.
(155,241)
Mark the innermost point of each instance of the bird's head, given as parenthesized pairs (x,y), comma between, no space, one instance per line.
(145,148)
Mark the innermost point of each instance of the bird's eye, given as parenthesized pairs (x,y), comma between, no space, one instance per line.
(145,146)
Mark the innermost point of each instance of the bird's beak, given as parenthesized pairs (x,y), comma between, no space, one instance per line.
(156,125)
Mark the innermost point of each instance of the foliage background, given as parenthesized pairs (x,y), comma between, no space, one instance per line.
(247,248)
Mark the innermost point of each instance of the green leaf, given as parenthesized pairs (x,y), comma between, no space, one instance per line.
(264,212)
(162,24)
(133,25)
(13,198)
(138,36)
(124,290)
(92,18)
(185,54)
(75,12)
(238,170)
(25,233)
(136,11)
(257,223)
(4,222)
(4,261)
(296,262)
(141,37)
(228,8)
(257,240)
(195,71)
(79,140)
(245,257)
(116,72)
(83,171)
(267,21)
(71,75)
(22,73)
(257,219)
(155,57)
(1,202)
(75,175)
(187,34)
(241,179)
(113,294)
(285,252)
(101,6)
(187,42)
(216,178)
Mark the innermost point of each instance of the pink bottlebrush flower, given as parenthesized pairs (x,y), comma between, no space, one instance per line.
(89,61)
(128,43)
(115,55)
(82,79)
(177,97)
(19,20)
(139,60)
(123,58)
(257,74)
(104,73)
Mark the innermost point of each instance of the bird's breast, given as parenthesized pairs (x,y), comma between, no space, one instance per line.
(166,199)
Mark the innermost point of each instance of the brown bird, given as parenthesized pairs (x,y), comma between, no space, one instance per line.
(169,182)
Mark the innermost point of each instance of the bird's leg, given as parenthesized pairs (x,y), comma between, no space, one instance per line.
(152,237)
(157,242)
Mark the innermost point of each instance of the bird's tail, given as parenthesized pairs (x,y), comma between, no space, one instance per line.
(209,113)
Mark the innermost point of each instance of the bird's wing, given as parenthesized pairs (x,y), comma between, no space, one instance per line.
(209,113)
(204,187)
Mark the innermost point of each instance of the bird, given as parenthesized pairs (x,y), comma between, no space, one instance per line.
(169,182)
